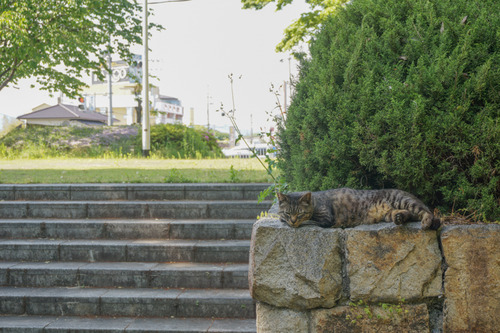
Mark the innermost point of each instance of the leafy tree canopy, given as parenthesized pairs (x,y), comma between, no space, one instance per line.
(57,41)
(303,27)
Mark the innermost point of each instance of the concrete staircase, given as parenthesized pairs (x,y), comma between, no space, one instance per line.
(126,258)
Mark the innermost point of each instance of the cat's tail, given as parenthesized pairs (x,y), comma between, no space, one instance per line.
(418,209)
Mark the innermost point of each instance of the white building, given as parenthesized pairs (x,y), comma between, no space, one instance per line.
(167,110)
(125,96)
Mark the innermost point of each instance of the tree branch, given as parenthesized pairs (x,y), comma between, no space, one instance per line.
(12,70)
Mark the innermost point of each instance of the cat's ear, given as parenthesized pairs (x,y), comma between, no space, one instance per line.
(306,198)
(282,197)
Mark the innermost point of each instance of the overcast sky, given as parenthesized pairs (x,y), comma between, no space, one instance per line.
(205,41)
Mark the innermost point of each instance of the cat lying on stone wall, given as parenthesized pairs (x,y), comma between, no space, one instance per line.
(345,207)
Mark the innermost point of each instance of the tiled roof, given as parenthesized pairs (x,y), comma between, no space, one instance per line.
(63,111)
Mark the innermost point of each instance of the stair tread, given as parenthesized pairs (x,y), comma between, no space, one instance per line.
(147,186)
(125,221)
(97,324)
(119,302)
(126,229)
(107,250)
(129,242)
(129,202)
(156,293)
(124,274)
(120,266)
(196,209)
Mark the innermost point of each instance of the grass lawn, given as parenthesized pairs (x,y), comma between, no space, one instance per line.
(67,170)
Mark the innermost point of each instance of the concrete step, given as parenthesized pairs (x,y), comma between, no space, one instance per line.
(39,324)
(167,303)
(126,229)
(41,250)
(124,275)
(101,192)
(239,209)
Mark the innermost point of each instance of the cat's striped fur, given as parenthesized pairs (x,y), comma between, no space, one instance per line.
(345,207)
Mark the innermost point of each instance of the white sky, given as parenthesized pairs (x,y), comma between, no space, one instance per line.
(204,41)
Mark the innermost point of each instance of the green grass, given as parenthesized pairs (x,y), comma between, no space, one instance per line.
(78,170)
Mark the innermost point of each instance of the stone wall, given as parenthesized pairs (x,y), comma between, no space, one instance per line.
(375,278)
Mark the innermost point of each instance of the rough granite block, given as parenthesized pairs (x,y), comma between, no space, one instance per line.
(389,263)
(472,280)
(295,268)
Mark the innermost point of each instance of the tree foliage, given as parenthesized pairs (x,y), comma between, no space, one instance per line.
(402,93)
(306,25)
(57,41)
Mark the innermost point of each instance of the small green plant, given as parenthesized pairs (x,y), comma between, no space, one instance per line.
(265,214)
(390,310)
(233,175)
(175,176)
(394,309)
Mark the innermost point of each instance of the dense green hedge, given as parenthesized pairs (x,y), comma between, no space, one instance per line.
(401,93)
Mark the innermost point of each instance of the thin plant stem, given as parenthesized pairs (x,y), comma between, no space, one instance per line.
(237,129)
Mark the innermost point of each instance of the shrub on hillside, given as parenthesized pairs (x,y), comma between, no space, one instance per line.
(67,141)
(176,140)
(401,93)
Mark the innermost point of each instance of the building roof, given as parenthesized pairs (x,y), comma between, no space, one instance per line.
(170,99)
(63,111)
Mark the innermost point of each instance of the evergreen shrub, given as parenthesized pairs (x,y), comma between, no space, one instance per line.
(405,94)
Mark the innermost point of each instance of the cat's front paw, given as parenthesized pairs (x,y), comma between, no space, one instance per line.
(399,219)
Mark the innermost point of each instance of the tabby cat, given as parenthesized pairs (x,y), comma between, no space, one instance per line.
(345,207)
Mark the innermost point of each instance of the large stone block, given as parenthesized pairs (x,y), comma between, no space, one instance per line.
(295,268)
(472,280)
(367,319)
(386,262)
(272,320)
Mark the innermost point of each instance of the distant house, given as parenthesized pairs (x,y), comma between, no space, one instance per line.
(63,115)
(168,110)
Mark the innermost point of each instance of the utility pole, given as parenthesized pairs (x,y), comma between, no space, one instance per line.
(110,87)
(146,136)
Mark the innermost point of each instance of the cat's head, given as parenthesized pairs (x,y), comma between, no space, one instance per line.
(295,208)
